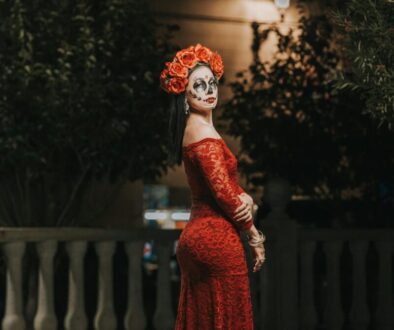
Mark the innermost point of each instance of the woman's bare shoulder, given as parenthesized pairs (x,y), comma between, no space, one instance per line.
(196,132)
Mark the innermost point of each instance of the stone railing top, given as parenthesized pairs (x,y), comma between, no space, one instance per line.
(86,234)
(103,234)
(348,234)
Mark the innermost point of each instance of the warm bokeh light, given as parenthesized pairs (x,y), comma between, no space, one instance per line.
(260,11)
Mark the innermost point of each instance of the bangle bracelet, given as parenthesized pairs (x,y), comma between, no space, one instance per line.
(261,237)
(257,241)
(256,244)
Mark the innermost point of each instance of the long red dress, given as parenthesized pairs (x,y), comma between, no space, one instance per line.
(215,292)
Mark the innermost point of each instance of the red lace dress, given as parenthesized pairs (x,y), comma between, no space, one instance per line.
(215,292)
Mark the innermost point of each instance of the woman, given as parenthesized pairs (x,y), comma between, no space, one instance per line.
(215,291)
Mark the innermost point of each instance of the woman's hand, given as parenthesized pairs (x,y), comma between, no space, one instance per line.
(243,212)
(247,198)
(259,256)
(258,251)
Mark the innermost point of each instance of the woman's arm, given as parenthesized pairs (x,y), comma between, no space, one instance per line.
(244,196)
(240,190)
(247,198)
(209,158)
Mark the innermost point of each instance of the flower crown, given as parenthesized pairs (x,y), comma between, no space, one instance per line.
(174,78)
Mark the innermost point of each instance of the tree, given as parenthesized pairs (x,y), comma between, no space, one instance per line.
(79,101)
(367,38)
(293,123)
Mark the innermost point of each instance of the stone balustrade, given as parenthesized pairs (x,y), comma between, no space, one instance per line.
(14,240)
(312,278)
(322,278)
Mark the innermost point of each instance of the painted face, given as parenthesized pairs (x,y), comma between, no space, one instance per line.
(202,89)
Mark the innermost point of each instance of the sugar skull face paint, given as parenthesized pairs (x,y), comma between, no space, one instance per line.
(202,89)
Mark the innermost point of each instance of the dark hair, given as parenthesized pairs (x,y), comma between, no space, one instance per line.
(176,128)
(178,123)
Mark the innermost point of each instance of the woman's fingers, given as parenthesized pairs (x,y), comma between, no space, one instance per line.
(258,265)
(245,217)
(241,214)
(259,257)
(241,207)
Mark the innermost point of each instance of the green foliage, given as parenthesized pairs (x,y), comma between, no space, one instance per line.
(367,39)
(293,123)
(79,92)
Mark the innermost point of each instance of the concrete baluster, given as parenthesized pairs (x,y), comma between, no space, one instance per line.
(164,317)
(45,318)
(384,311)
(105,316)
(135,318)
(13,316)
(307,309)
(359,312)
(76,318)
(333,314)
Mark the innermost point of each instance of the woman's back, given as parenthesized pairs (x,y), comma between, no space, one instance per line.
(209,250)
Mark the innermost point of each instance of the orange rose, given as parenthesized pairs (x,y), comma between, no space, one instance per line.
(187,58)
(202,53)
(216,64)
(189,49)
(177,85)
(176,69)
(163,77)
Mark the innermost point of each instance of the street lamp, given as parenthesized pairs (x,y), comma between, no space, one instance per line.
(282,5)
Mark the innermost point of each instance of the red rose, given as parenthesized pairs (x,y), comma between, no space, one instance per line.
(203,53)
(176,69)
(187,58)
(216,64)
(177,85)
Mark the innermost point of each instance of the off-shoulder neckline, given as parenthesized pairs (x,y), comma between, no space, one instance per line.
(201,141)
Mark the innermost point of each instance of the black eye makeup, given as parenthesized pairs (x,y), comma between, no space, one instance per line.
(213,81)
(200,85)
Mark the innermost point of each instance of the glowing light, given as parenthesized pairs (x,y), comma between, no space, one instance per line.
(282,4)
(180,216)
(155,215)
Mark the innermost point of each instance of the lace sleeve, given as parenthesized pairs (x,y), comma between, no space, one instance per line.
(240,189)
(209,158)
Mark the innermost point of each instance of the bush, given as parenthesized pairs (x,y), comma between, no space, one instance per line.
(293,123)
(80,98)
(367,39)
